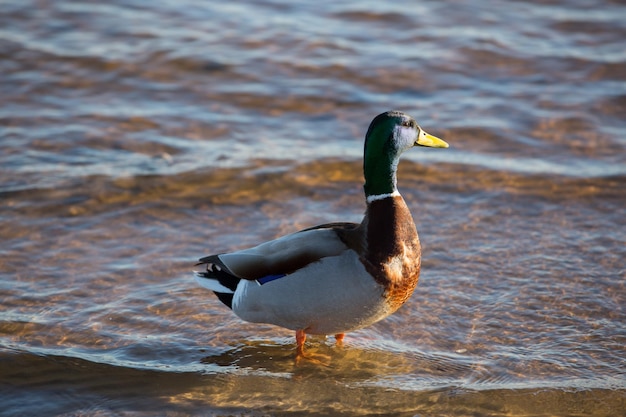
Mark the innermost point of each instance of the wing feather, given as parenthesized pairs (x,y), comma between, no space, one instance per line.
(285,254)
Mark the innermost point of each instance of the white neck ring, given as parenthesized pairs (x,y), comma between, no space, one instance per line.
(371,198)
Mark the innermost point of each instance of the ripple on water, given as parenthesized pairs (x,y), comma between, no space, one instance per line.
(137,138)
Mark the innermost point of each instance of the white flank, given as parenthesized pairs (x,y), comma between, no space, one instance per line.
(334,295)
(377,197)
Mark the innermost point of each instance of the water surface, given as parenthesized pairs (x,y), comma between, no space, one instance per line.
(135,138)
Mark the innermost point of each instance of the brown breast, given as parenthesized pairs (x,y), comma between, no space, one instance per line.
(389,247)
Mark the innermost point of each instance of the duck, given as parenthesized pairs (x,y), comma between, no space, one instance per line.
(338,277)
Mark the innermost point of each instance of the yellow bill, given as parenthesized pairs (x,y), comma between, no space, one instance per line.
(426,139)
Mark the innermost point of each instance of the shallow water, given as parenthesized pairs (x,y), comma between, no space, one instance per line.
(136,138)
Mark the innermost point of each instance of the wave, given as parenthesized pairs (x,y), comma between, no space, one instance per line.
(260,377)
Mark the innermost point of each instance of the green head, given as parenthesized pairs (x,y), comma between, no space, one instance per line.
(390,134)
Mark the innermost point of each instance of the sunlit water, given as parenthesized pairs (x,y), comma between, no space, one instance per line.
(136,137)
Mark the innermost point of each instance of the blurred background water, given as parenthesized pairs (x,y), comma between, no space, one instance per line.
(136,137)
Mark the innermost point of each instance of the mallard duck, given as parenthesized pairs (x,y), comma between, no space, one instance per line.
(338,277)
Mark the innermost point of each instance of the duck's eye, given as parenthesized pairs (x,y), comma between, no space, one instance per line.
(408,123)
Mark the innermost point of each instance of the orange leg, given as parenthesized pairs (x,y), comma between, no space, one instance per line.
(300,339)
(315,358)
(339,339)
